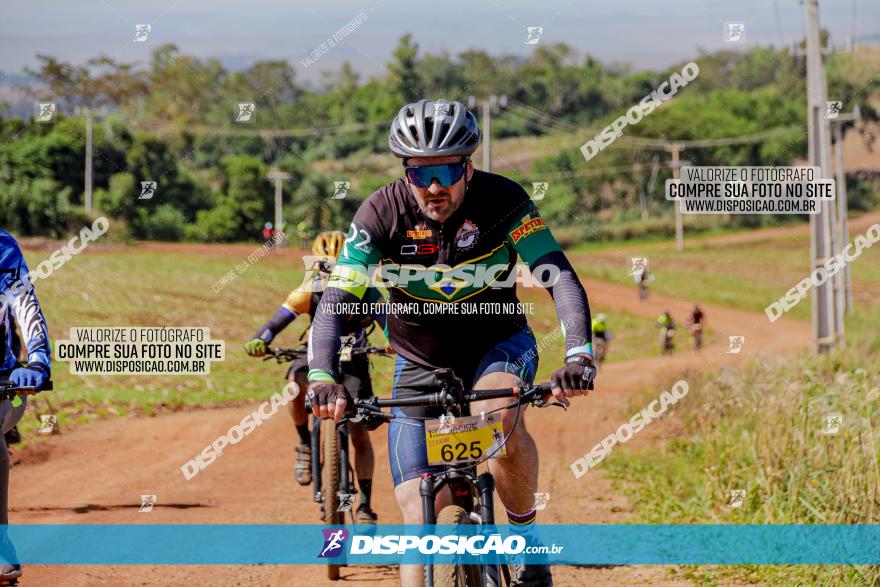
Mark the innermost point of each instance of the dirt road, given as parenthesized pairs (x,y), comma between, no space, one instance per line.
(96,473)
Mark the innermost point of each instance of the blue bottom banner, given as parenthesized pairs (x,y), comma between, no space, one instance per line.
(184,544)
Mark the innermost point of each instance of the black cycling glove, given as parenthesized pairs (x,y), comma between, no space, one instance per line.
(577,375)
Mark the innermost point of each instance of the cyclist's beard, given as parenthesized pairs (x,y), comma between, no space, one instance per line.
(439,207)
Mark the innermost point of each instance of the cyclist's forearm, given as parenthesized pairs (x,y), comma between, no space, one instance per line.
(324,336)
(282,318)
(572,306)
(34,331)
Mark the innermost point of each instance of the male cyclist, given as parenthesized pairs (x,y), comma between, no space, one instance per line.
(667,330)
(601,336)
(355,372)
(18,303)
(444,212)
(644,278)
(696,322)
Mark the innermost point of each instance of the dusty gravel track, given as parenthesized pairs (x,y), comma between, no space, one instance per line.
(96,473)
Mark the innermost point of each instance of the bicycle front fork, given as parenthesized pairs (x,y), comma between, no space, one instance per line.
(460,486)
(316,459)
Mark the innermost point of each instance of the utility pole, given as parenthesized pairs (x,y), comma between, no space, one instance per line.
(821,225)
(88,196)
(278,177)
(486,108)
(674,149)
(842,204)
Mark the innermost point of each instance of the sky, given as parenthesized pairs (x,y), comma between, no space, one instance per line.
(642,33)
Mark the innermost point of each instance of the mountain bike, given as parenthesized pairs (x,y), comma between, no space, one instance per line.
(696,331)
(667,343)
(600,346)
(332,473)
(9,391)
(472,494)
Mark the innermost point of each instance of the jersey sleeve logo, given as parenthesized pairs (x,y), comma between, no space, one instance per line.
(530,225)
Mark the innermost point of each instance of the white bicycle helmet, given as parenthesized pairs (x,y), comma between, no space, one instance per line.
(434,128)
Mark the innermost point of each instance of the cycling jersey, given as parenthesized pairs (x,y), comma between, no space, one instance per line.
(666,321)
(19,302)
(469,255)
(304,300)
(599,327)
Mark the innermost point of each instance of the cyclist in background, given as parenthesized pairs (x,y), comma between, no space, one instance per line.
(356,371)
(696,324)
(667,331)
(601,337)
(644,279)
(17,305)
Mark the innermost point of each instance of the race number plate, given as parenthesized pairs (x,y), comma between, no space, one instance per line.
(464,439)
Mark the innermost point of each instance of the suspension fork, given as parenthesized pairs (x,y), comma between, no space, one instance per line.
(316,459)
(485,489)
(346,476)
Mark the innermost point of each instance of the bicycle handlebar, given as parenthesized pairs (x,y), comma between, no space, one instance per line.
(370,409)
(283,355)
(8,389)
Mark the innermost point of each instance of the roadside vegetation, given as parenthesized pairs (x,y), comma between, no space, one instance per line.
(763,429)
(171,120)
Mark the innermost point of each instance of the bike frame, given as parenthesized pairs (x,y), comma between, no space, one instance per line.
(473,493)
(346,475)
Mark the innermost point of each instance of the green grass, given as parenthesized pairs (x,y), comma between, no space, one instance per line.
(761,429)
(745,275)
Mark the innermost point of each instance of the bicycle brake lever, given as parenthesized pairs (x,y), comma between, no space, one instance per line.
(540,403)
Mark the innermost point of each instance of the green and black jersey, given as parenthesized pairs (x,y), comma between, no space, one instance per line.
(467,260)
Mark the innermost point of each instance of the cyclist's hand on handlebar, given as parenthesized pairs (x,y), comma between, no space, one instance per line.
(25,377)
(328,400)
(575,378)
(256,347)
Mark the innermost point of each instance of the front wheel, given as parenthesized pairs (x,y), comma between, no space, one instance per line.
(601,347)
(330,473)
(455,575)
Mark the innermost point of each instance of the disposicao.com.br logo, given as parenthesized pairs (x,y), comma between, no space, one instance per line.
(434,544)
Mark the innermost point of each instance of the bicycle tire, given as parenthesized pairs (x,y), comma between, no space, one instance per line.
(455,575)
(330,463)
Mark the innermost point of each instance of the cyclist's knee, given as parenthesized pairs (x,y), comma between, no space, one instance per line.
(409,501)
(360,438)
(516,429)
(302,381)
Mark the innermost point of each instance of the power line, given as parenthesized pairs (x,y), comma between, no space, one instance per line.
(551,119)
(524,118)
(220,131)
(759,137)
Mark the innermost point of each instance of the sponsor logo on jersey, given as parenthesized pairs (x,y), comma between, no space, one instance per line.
(420,232)
(421,249)
(467,235)
(530,225)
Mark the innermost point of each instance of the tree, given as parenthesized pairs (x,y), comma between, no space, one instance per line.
(404,69)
